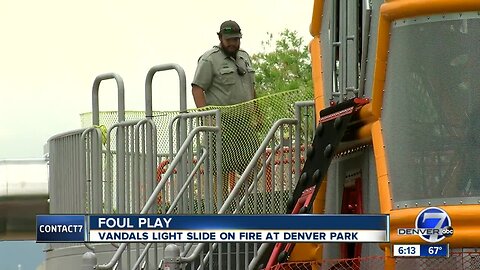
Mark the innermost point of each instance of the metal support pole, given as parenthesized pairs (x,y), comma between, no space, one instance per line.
(171,257)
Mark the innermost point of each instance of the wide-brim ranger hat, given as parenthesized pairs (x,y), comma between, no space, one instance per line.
(230,29)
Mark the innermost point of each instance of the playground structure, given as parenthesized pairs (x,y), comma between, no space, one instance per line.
(395,97)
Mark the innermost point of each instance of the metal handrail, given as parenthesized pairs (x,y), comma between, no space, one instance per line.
(66,134)
(249,190)
(174,203)
(144,253)
(234,195)
(180,122)
(148,86)
(121,96)
(252,185)
(151,139)
(97,170)
(120,152)
(152,199)
(236,190)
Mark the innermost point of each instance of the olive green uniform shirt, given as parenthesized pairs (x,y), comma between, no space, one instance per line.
(217,74)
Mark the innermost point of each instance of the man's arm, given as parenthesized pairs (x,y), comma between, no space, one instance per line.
(198,96)
(202,80)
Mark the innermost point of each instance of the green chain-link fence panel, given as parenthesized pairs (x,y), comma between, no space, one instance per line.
(244,126)
(257,116)
(254,117)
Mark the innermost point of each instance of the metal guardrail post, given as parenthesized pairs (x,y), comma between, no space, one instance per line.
(92,176)
(121,97)
(148,87)
(171,256)
(121,118)
(181,174)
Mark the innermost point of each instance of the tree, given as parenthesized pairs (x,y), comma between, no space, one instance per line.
(287,67)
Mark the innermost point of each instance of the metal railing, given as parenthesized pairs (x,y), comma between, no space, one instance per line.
(190,121)
(75,190)
(256,192)
(132,183)
(153,197)
(273,165)
(121,171)
(268,180)
(119,175)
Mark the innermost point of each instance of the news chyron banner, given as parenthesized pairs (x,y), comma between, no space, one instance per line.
(212,228)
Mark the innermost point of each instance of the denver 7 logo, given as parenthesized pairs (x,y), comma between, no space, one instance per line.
(435,224)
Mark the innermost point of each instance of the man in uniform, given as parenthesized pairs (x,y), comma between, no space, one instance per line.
(224,76)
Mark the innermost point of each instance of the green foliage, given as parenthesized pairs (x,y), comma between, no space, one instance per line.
(287,67)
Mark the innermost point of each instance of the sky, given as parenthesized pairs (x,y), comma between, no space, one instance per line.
(52,50)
